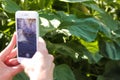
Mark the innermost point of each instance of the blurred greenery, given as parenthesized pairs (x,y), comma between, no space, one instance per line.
(82,35)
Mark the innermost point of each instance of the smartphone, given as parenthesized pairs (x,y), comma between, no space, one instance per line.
(27,29)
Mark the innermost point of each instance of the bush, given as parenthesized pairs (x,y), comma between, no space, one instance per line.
(83,35)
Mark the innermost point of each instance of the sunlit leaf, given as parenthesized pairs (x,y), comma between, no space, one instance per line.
(91,46)
(11,23)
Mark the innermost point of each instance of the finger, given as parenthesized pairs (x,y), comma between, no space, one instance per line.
(9,48)
(37,56)
(42,42)
(11,55)
(49,60)
(51,71)
(42,46)
(12,62)
(16,69)
(51,57)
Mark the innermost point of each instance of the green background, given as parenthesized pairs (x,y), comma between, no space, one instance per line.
(82,35)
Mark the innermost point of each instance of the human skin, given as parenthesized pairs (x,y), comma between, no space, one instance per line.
(9,65)
(41,66)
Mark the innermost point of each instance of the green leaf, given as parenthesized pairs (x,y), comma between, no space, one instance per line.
(66,50)
(100,77)
(110,49)
(113,51)
(11,23)
(75,50)
(106,31)
(63,72)
(93,6)
(117,41)
(104,17)
(66,19)
(21,76)
(86,29)
(108,21)
(93,50)
(3,16)
(10,6)
(116,33)
(63,49)
(49,22)
(75,1)
(91,46)
(92,58)
(112,71)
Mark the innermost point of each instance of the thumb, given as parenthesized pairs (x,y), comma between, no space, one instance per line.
(16,69)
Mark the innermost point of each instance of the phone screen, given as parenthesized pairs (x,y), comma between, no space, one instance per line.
(26,37)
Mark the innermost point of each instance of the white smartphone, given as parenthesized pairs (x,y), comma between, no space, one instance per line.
(27,28)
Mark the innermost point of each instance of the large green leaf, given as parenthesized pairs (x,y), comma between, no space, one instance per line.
(88,49)
(65,50)
(108,21)
(104,17)
(10,6)
(92,58)
(106,31)
(110,49)
(86,29)
(63,72)
(113,50)
(66,19)
(93,51)
(75,50)
(91,46)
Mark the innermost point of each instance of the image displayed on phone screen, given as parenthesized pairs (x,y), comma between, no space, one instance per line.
(26,37)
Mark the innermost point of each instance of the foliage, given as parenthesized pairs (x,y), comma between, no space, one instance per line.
(83,35)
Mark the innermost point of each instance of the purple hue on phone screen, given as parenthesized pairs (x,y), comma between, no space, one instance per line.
(26,37)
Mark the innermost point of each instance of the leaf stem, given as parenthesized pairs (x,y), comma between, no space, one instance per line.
(68,8)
